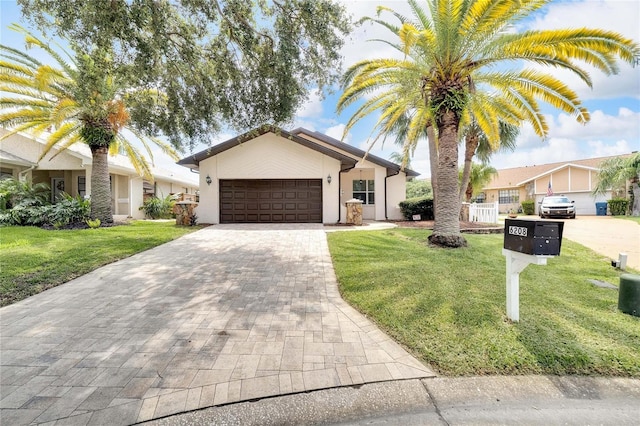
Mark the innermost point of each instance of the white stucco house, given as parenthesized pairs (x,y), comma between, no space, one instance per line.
(70,172)
(270,175)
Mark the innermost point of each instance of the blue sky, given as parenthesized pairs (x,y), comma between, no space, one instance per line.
(614,101)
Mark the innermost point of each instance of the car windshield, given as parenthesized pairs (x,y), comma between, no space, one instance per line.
(556,200)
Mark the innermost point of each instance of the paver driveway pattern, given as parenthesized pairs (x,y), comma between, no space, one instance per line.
(225,314)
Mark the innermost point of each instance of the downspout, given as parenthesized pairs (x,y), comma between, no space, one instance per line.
(340,187)
(386,203)
(23,172)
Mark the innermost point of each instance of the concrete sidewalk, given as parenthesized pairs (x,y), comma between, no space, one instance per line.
(222,315)
(528,400)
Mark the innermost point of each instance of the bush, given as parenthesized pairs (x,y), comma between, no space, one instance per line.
(528,207)
(14,193)
(422,206)
(158,208)
(618,206)
(68,210)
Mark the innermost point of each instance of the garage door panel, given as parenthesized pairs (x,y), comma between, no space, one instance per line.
(271,201)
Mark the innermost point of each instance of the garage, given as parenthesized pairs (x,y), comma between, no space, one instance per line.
(271,201)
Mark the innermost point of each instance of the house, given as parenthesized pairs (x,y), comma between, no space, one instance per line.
(70,172)
(272,175)
(575,179)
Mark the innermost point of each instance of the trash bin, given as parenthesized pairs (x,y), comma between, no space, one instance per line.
(629,294)
(601,209)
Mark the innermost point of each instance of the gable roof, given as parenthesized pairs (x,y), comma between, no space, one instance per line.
(391,166)
(518,176)
(193,161)
(10,158)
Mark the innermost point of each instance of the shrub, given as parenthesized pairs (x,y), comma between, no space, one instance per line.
(158,208)
(68,210)
(618,206)
(14,193)
(528,207)
(422,206)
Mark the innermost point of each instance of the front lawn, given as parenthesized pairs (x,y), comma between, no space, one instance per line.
(448,306)
(33,259)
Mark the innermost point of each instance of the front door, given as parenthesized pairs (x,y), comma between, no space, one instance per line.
(57,188)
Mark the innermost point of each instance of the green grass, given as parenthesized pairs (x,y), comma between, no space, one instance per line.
(448,306)
(635,219)
(33,259)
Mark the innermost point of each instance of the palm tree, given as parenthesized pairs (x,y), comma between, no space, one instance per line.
(616,172)
(455,67)
(477,144)
(479,176)
(83,101)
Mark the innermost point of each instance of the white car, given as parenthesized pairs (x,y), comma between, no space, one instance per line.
(557,205)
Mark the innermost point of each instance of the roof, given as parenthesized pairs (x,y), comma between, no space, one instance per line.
(117,163)
(194,160)
(518,176)
(8,157)
(355,151)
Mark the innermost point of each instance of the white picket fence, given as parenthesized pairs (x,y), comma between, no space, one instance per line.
(483,212)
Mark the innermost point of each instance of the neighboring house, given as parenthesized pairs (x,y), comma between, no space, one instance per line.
(575,179)
(272,175)
(70,172)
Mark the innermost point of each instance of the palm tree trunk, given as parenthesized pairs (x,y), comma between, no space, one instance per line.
(100,186)
(433,162)
(471,144)
(446,228)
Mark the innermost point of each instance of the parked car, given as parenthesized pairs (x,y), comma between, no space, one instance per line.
(557,205)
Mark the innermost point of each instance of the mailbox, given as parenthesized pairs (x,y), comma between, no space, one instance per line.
(534,237)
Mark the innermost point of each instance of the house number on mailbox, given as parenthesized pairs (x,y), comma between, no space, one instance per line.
(518,230)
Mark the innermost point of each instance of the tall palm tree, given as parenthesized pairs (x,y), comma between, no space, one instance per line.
(616,173)
(457,57)
(83,101)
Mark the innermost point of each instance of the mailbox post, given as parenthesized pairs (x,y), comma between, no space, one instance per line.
(527,242)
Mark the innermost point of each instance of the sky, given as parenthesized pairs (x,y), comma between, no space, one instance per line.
(614,101)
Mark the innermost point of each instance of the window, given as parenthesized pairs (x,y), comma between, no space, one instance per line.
(481,198)
(509,196)
(82,186)
(364,190)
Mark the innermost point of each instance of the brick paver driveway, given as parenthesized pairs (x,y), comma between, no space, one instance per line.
(225,314)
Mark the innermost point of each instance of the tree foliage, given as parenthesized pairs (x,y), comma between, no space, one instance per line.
(458,66)
(615,173)
(204,63)
(73,99)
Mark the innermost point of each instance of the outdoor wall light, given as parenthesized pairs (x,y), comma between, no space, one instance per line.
(208,180)
(329,178)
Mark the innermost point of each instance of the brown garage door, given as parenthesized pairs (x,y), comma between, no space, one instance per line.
(271,201)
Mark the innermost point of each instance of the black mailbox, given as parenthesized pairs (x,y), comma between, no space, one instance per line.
(533,236)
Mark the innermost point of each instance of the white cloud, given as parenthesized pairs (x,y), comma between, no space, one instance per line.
(614,15)
(605,135)
(312,108)
(337,132)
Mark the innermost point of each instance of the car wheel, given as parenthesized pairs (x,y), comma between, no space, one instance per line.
(573,217)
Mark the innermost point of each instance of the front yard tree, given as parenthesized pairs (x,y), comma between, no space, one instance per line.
(193,65)
(616,173)
(461,54)
(78,101)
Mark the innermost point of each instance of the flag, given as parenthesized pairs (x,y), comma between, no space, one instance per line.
(549,190)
